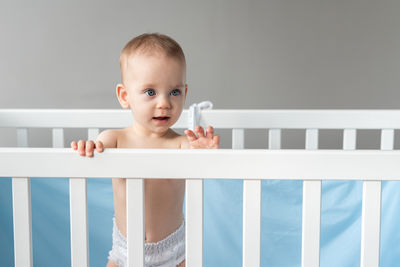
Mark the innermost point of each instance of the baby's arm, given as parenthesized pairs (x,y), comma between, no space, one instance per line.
(106,139)
(209,140)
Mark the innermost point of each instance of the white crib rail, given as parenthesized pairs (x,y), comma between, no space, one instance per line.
(222,119)
(309,165)
(369,165)
(254,164)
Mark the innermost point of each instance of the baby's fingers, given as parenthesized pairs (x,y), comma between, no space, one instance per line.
(216,141)
(210,132)
(200,131)
(190,135)
(74,145)
(99,146)
(81,147)
(89,148)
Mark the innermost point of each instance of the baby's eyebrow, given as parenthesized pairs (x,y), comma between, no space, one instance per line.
(179,86)
(153,86)
(148,85)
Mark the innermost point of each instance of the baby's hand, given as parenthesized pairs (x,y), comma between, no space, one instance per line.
(86,148)
(208,141)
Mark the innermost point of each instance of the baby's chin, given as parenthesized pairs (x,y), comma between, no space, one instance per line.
(163,125)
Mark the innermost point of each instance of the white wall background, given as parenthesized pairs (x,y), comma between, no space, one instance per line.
(240,54)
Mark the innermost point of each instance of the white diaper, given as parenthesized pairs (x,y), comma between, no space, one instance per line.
(168,252)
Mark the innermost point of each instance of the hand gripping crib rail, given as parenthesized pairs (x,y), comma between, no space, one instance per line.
(310,165)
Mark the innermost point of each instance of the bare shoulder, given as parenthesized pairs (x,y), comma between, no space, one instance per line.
(109,138)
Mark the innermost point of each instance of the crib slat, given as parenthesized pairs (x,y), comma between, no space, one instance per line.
(78,222)
(22,137)
(311,212)
(387,139)
(251,222)
(93,133)
(22,217)
(237,138)
(58,137)
(312,139)
(22,222)
(371,211)
(251,211)
(78,212)
(194,223)
(311,223)
(349,139)
(135,227)
(274,140)
(79,217)
(370,224)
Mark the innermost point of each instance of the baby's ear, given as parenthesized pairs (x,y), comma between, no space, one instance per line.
(122,95)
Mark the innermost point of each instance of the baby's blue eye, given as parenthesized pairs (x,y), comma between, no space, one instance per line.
(175,92)
(150,92)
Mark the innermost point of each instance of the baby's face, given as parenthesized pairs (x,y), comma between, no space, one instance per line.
(156,90)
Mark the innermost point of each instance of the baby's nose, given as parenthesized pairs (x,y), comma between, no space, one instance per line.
(163,102)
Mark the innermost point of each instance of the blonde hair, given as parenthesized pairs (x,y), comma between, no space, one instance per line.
(151,43)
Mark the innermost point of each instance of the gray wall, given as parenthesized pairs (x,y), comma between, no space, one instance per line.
(240,54)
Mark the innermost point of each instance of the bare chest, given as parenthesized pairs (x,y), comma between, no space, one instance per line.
(125,141)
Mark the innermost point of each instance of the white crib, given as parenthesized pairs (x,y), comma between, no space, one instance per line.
(311,165)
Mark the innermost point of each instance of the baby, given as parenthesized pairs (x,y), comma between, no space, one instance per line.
(153,70)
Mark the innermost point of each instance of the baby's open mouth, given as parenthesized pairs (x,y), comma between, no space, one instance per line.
(161,118)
